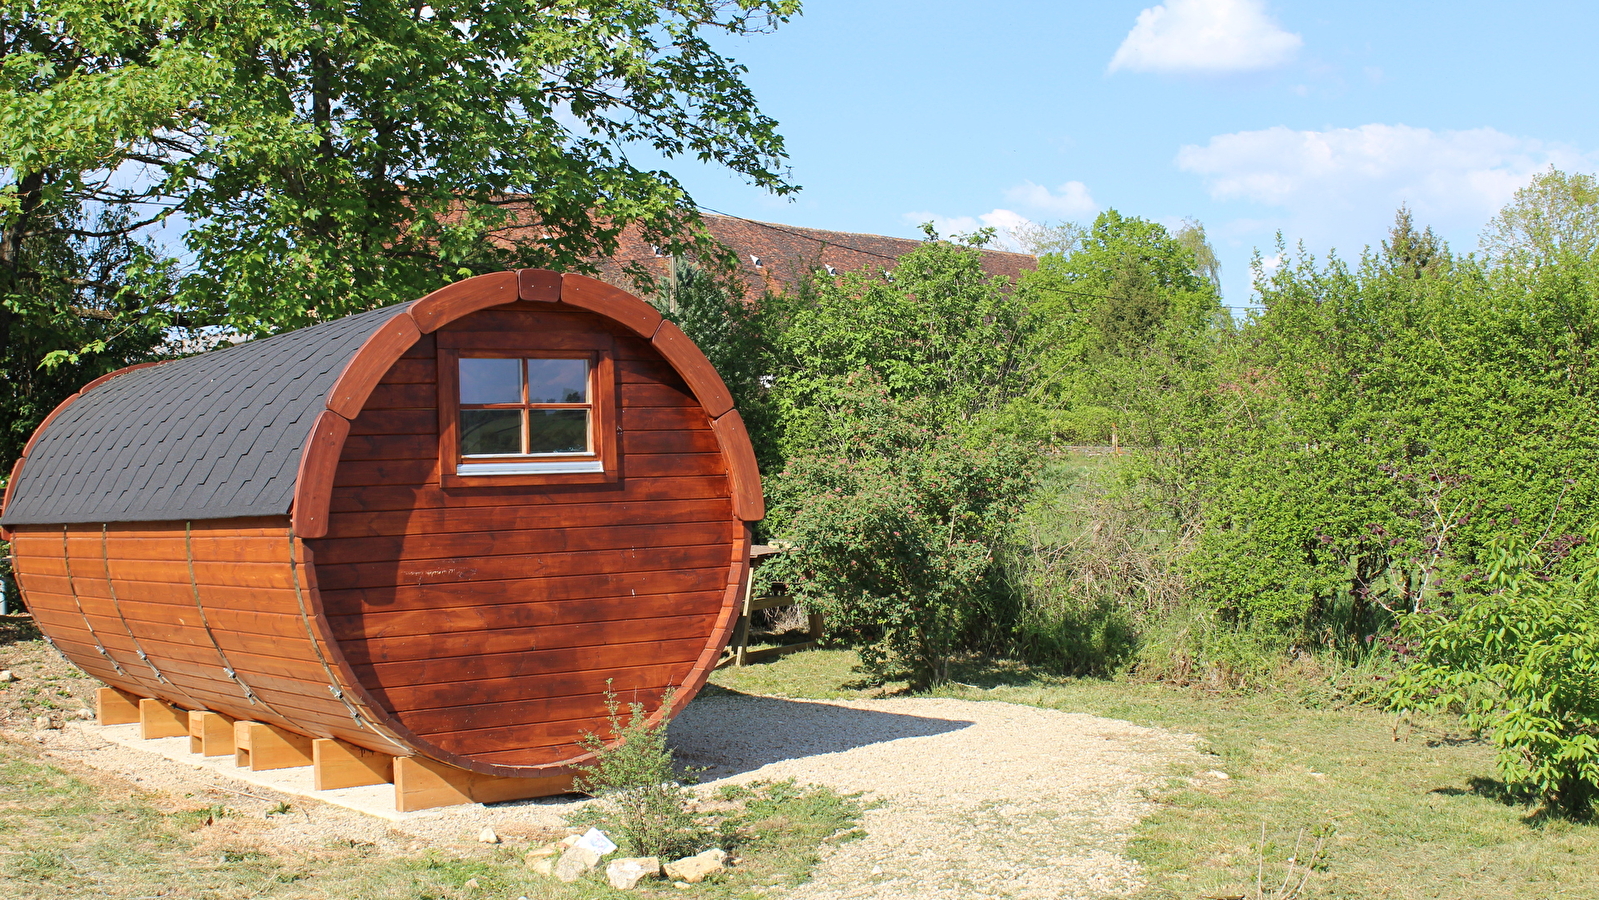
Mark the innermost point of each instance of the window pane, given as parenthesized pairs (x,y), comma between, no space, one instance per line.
(557,381)
(491,381)
(558,431)
(490,431)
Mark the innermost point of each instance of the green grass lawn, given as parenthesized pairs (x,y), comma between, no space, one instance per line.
(1413,810)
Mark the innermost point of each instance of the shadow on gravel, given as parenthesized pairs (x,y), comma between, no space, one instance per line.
(728,733)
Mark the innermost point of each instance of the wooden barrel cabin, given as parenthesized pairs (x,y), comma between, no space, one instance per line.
(428,538)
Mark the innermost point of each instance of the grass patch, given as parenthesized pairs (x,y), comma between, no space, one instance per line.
(1411,809)
(62,835)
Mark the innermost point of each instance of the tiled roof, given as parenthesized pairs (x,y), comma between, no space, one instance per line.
(778,257)
(208,437)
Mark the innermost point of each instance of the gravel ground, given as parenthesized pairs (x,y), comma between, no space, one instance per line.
(973,799)
(970,799)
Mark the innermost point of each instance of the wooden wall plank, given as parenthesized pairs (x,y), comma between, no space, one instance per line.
(385,623)
(440,571)
(517,517)
(473,594)
(479,643)
(449,676)
(482,543)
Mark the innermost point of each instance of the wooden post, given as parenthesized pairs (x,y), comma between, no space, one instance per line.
(114,707)
(259,747)
(159,719)
(340,765)
(210,734)
(421,783)
(741,632)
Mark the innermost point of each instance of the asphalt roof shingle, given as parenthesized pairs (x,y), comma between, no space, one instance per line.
(212,436)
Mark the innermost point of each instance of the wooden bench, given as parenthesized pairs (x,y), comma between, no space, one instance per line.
(738,652)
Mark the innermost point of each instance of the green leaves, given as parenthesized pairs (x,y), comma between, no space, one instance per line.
(1519,659)
(902,478)
(323,162)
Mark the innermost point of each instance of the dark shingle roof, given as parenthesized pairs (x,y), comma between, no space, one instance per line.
(209,437)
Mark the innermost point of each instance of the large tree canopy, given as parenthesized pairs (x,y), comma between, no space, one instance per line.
(262,164)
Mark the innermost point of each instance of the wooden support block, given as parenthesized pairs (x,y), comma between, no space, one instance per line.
(421,783)
(114,707)
(340,765)
(210,734)
(159,719)
(259,747)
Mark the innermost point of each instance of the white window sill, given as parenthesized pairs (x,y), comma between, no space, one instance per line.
(525,467)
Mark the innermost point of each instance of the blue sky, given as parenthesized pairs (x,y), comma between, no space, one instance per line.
(1253,116)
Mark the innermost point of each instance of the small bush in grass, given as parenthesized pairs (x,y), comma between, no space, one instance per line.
(643,805)
(1519,659)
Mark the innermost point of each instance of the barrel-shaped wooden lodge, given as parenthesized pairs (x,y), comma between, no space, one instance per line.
(436,533)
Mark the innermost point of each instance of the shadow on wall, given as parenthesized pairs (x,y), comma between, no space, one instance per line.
(729,733)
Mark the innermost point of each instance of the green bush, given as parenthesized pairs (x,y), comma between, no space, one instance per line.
(643,805)
(1517,654)
(896,537)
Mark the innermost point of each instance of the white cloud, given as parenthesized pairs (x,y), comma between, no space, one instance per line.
(1205,36)
(1449,176)
(1069,201)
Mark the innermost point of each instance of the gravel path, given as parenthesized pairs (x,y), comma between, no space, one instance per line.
(974,799)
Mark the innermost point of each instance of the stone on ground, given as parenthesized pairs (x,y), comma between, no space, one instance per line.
(694,869)
(625,874)
(575,863)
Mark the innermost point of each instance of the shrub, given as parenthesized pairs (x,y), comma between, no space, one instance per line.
(1518,657)
(896,533)
(643,805)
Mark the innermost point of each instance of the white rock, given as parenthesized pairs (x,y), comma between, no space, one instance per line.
(625,874)
(575,863)
(487,836)
(7,676)
(596,840)
(1220,776)
(693,869)
(542,865)
(471,884)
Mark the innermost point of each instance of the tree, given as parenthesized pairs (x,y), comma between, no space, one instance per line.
(322,157)
(1061,239)
(265,164)
(1556,214)
(1412,253)
(1130,289)
(1191,237)
(899,479)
